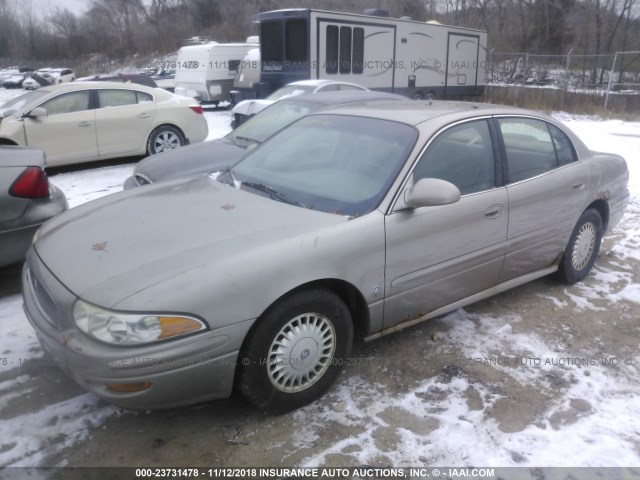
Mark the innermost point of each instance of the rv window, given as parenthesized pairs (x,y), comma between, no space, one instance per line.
(296,42)
(345,49)
(271,45)
(332,49)
(358,50)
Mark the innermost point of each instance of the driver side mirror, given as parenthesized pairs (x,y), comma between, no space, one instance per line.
(38,112)
(431,192)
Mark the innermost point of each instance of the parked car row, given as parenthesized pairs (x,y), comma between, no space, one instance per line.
(318,220)
(27,78)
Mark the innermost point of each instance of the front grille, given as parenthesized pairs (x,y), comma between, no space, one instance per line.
(45,303)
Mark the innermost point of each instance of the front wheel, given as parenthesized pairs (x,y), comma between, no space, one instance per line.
(582,249)
(296,351)
(164,138)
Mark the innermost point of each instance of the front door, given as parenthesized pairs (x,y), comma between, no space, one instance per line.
(68,133)
(438,255)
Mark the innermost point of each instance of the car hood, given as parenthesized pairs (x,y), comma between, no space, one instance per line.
(191,160)
(108,250)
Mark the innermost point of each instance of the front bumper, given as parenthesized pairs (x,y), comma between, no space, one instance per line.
(180,372)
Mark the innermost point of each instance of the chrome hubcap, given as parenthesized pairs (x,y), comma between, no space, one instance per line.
(166,141)
(301,352)
(584,246)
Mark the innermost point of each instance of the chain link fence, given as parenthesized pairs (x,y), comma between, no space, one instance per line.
(590,81)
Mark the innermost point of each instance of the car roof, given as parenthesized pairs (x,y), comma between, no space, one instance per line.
(415,112)
(75,86)
(341,97)
(316,83)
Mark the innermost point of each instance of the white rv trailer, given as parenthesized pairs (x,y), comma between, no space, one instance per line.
(403,56)
(206,72)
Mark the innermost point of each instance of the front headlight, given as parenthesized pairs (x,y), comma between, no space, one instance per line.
(129,328)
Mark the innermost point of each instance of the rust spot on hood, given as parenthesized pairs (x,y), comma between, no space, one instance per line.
(98,247)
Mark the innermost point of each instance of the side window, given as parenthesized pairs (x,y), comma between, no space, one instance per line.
(564,148)
(345,49)
(462,155)
(144,97)
(529,148)
(332,49)
(68,103)
(358,50)
(116,98)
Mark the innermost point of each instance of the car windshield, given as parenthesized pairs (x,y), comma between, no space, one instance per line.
(289,91)
(15,104)
(272,119)
(331,163)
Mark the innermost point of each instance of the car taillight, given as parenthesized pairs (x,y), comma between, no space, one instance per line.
(196,108)
(32,183)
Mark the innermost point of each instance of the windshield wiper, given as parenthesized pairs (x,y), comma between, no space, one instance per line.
(273,194)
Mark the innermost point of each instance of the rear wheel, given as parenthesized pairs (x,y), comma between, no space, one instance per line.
(296,351)
(583,247)
(164,138)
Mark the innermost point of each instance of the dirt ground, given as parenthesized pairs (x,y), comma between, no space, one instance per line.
(357,421)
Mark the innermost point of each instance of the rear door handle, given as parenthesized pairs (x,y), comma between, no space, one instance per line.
(578,186)
(494,211)
(143,115)
(84,124)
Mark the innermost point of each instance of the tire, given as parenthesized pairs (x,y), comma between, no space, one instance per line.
(583,247)
(418,96)
(281,366)
(164,138)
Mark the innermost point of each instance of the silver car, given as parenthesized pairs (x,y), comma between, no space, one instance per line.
(354,221)
(27,200)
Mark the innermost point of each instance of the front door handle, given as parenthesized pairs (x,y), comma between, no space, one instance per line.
(84,124)
(578,186)
(494,211)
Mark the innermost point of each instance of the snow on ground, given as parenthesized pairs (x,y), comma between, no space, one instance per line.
(455,432)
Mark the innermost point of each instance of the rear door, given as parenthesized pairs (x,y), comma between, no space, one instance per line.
(123,121)
(547,188)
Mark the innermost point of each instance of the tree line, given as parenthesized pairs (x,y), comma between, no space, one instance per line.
(118,29)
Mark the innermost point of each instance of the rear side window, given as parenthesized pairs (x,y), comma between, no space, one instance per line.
(564,148)
(116,98)
(462,155)
(534,147)
(68,103)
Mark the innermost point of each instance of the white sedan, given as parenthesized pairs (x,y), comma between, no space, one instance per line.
(82,122)
(247,108)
